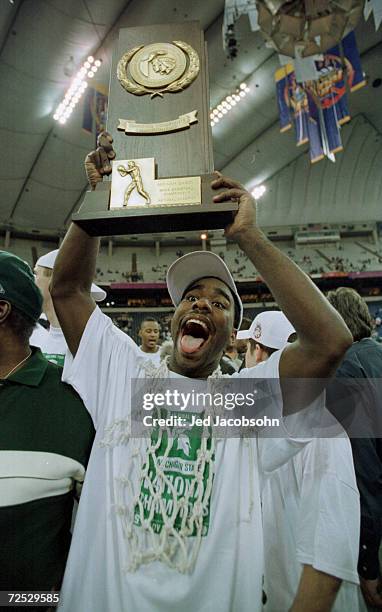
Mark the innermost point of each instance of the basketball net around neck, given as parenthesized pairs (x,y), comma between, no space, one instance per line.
(177,545)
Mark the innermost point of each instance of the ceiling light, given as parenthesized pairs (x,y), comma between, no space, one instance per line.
(229,102)
(76,89)
(258,191)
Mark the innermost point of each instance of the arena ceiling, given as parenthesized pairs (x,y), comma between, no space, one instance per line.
(42,179)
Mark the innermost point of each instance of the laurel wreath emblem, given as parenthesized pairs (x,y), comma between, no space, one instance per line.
(184,81)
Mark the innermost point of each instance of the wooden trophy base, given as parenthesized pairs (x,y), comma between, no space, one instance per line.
(95,218)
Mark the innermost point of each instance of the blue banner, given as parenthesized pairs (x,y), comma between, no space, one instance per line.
(95,111)
(320,107)
(282,95)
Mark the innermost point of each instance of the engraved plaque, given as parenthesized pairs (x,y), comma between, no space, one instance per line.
(134,185)
(181,123)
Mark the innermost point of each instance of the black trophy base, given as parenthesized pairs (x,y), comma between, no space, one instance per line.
(95,218)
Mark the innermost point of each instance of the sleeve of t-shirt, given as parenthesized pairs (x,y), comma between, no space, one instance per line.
(329,514)
(277,444)
(105,357)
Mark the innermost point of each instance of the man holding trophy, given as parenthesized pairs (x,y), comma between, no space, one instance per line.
(118,561)
(174,523)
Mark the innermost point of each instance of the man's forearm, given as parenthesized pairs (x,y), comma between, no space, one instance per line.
(317,591)
(296,295)
(74,269)
(73,273)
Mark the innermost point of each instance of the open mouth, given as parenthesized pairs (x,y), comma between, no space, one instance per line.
(194,335)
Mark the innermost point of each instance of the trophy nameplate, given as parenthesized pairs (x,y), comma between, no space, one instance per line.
(134,185)
(129,126)
(159,118)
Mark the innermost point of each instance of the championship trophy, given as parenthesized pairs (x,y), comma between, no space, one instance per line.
(159,118)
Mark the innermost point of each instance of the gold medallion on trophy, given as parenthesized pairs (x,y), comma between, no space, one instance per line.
(158,68)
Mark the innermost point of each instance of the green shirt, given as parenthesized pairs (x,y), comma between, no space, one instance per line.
(46,435)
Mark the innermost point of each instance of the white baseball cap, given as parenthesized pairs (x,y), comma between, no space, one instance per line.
(196,265)
(270,328)
(47,261)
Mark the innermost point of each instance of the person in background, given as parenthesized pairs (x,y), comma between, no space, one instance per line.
(234,353)
(46,436)
(268,333)
(52,342)
(149,333)
(231,356)
(358,378)
(310,509)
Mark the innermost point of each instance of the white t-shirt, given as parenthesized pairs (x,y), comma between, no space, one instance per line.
(311,516)
(102,573)
(154,357)
(39,335)
(52,344)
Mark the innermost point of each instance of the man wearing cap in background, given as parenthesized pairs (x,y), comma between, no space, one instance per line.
(52,343)
(177,524)
(45,440)
(269,332)
(310,509)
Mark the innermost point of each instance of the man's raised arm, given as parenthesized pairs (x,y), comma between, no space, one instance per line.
(73,273)
(323,337)
(75,265)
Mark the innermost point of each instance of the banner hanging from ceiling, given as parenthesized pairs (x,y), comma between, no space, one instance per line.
(319,107)
(95,111)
